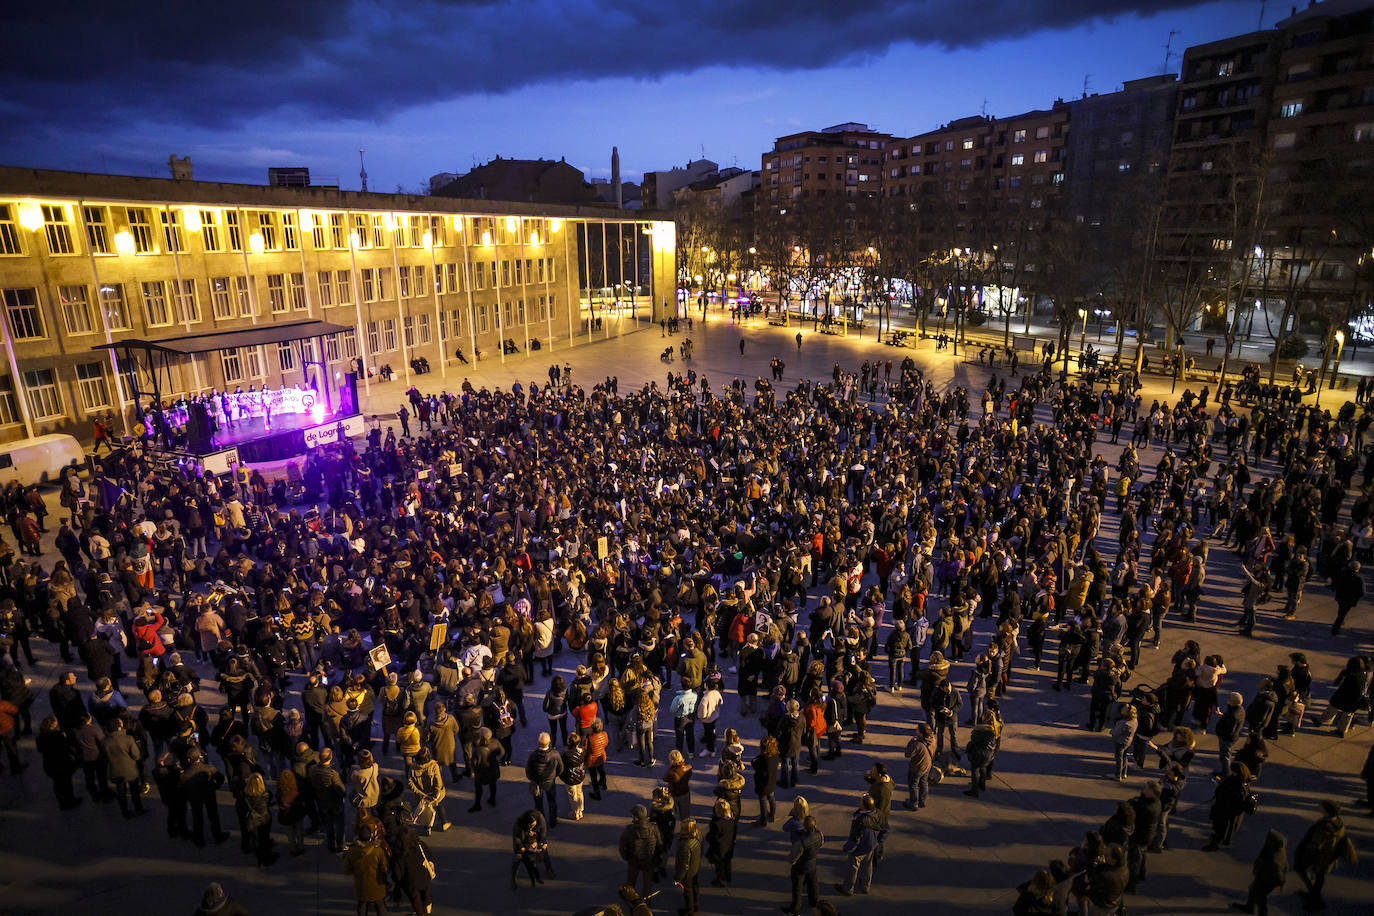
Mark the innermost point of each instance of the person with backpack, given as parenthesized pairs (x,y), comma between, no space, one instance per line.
(865,832)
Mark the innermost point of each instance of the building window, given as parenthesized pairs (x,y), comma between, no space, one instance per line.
(1226,68)
(1018,159)
(325,281)
(116,310)
(383,281)
(141,228)
(478,271)
(286,356)
(209,230)
(1018,136)
(374,338)
(44,401)
(408,329)
(369,285)
(171,230)
(319,233)
(290,239)
(505,273)
(389,334)
(426,332)
(232,224)
(188,310)
(343,286)
(337,231)
(92,386)
(1042,133)
(349,339)
(25,317)
(507,319)
(481,319)
(276,292)
(378,231)
(245,296)
(97,229)
(331,348)
(1042,155)
(360,230)
(1364,133)
(419,270)
(1290,110)
(58,230)
(155,304)
(295,288)
(404,277)
(417,236)
(267,228)
(254,362)
(231,365)
(221,298)
(76,309)
(9,231)
(437,236)
(9,407)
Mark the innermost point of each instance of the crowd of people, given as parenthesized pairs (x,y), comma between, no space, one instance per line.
(743,570)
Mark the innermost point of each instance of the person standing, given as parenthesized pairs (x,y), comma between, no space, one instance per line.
(1228,732)
(574,774)
(688,866)
(805,860)
(485,762)
(920,756)
(426,781)
(327,787)
(200,783)
(59,761)
(1268,874)
(639,847)
(124,762)
(1321,847)
(1348,586)
(720,842)
(1230,804)
(368,861)
(765,766)
(542,769)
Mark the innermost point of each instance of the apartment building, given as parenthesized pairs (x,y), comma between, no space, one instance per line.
(842,162)
(88,259)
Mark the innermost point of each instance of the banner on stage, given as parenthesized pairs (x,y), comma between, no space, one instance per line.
(328,433)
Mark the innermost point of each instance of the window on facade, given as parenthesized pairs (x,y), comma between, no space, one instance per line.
(437,235)
(276,292)
(417,234)
(155,311)
(24,315)
(383,281)
(374,338)
(426,333)
(286,356)
(343,287)
(477,276)
(1364,133)
(389,334)
(188,310)
(245,296)
(97,229)
(325,282)
(319,233)
(1226,68)
(349,341)
(45,402)
(1018,159)
(92,386)
(267,228)
(419,287)
(1042,133)
(369,284)
(221,298)
(1018,136)
(408,329)
(331,348)
(76,309)
(362,230)
(57,229)
(9,231)
(505,273)
(209,230)
(290,238)
(1290,109)
(403,278)
(253,361)
(481,319)
(171,230)
(295,291)
(232,365)
(1042,155)
(338,233)
(116,310)
(140,228)
(9,407)
(1285,140)
(378,231)
(234,229)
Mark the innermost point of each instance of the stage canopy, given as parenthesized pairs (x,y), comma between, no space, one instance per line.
(253,336)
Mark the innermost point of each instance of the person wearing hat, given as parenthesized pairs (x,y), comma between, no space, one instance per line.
(1322,846)
(215,902)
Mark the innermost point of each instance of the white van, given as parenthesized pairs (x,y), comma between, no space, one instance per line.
(40,459)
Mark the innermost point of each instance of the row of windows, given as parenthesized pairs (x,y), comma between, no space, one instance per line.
(170,302)
(149,230)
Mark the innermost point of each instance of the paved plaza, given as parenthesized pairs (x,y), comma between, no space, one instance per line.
(1053,779)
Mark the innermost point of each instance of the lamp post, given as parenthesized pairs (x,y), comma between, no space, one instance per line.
(1336,367)
(1082,337)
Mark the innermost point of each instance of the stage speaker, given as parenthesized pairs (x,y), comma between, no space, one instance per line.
(348,395)
(198,428)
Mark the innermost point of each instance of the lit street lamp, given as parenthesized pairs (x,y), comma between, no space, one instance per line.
(1082,337)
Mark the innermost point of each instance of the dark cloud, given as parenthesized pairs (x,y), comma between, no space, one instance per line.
(219,63)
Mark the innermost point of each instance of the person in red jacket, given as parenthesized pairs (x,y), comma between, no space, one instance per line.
(9,734)
(146,638)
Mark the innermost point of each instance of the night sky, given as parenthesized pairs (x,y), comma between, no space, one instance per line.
(438,86)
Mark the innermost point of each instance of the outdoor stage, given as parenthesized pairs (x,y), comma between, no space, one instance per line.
(290,435)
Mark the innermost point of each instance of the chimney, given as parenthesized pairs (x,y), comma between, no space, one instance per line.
(181,168)
(615,177)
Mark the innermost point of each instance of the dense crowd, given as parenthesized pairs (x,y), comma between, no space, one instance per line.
(375,624)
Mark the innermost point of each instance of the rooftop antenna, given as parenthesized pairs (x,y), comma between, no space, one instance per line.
(1087,80)
(1263,4)
(1168,49)
(985,106)
(362,173)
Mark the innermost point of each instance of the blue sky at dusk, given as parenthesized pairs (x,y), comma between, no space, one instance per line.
(437,86)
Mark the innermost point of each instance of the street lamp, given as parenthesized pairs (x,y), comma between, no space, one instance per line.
(1340,345)
(1082,337)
